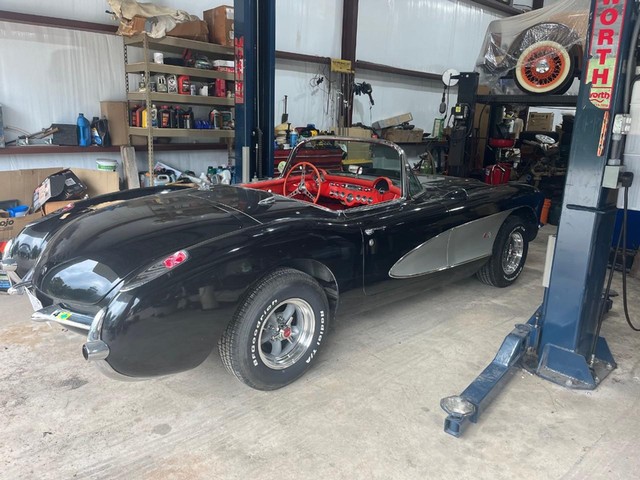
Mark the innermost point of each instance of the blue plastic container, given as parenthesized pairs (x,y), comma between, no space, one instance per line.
(84,131)
(19,211)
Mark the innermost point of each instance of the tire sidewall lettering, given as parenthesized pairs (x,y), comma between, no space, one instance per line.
(313,352)
(256,331)
(256,362)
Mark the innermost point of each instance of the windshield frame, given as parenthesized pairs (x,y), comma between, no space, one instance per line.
(405,169)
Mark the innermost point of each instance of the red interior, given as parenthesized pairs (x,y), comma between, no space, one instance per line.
(336,192)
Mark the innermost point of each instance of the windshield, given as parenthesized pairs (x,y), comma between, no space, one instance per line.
(339,173)
(355,158)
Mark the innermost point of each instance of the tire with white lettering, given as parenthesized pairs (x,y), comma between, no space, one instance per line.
(510,250)
(277,331)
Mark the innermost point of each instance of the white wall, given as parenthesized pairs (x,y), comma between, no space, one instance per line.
(424,35)
(309,27)
(49,75)
(69,72)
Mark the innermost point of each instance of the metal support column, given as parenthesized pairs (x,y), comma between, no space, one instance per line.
(459,161)
(562,345)
(254,23)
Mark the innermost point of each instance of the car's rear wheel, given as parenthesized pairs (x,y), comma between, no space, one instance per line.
(277,331)
(546,67)
(509,254)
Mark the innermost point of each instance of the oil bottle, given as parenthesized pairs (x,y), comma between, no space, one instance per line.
(84,131)
(164,115)
(154,116)
(179,116)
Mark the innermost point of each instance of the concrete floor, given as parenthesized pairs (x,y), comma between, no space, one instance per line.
(368,409)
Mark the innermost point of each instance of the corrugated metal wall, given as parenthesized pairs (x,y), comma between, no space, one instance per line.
(422,35)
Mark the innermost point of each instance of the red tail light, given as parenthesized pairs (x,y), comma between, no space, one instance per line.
(156,270)
(175,259)
(3,245)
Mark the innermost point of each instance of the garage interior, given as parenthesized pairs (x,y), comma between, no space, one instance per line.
(461,378)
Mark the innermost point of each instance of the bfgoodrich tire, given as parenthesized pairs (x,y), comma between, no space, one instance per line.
(509,255)
(277,331)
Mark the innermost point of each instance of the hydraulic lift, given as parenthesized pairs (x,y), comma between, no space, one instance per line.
(254,24)
(561,341)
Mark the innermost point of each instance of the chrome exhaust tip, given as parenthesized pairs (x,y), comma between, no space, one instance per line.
(95,350)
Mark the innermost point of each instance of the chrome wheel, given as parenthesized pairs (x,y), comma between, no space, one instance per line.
(544,67)
(286,334)
(512,254)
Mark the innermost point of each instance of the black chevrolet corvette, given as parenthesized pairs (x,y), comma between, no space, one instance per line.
(152,276)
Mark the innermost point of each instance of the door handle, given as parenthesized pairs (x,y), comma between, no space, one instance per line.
(369,231)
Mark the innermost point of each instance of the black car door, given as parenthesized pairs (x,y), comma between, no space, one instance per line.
(392,231)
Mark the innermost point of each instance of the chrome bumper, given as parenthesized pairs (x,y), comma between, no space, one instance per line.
(9,266)
(56,313)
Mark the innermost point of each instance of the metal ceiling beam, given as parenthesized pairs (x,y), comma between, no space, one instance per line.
(499,6)
(56,22)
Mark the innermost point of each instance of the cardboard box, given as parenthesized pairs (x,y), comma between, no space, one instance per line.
(540,122)
(117,114)
(63,185)
(357,153)
(354,132)
(51,207)
(21,184)
(393,121)
(398,135)
(220,22)
(196,30)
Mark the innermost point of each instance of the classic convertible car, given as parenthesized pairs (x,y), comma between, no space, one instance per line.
(149,274)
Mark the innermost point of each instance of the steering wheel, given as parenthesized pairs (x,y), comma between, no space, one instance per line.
(310,189)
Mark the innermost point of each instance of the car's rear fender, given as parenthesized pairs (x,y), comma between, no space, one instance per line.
(172,323)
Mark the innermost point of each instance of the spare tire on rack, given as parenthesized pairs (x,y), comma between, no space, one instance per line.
(546,58)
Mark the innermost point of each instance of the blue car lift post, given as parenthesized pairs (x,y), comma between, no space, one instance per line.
(255,40)
(561,341)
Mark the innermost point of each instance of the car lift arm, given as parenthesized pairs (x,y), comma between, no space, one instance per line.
(560,342)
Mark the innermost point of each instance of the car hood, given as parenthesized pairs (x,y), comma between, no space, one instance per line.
(93,252)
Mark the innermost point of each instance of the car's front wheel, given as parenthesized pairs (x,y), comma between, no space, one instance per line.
(509,255)
(277,331)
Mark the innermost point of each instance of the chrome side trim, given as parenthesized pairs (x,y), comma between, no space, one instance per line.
(55,313)
(457,246)
(482,232)
(429,257)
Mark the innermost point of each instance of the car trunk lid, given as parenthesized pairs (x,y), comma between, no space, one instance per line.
(90,255)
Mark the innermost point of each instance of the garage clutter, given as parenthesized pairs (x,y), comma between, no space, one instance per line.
(27,195)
